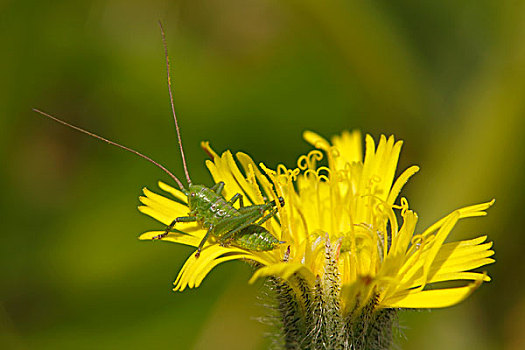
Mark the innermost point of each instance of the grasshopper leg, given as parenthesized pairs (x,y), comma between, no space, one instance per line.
(228,237)
(267,216)
(250,217)
(204,239)
(170,226)
(218,187)
(237,197)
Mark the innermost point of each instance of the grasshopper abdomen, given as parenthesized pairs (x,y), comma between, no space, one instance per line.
(257,238)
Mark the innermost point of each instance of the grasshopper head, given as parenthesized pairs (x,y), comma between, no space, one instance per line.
(195,193)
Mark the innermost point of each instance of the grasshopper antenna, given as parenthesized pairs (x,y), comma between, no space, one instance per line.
(114,144)
(172,104)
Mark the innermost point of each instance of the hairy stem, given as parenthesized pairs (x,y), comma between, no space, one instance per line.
(311,317)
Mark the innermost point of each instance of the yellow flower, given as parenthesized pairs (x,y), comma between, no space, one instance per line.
(340,210)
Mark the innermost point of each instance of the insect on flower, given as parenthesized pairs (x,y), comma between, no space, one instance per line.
(240,227)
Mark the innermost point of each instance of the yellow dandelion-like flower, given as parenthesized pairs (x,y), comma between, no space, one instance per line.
(345,230)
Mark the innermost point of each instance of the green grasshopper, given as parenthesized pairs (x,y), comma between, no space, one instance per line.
(239,227)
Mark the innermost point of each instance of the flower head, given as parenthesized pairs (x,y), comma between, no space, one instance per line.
(345,228)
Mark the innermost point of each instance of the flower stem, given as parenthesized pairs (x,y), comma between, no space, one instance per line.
(311,317)
(310,321)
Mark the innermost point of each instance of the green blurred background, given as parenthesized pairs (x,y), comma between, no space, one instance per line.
(447,77)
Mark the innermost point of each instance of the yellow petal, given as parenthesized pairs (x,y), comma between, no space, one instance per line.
(187,239)
(221,171)
(195,269)
(430,298)
(207,148)
(248,164)
(401,241)
(440,237)
(460,255)
(460,276)
(249,190)
(203,272)
(176,193)
(348,144)
(192,264)
(400,182)
(284,270)
(164,218)
(161,208)
(466,212)
(316,140)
